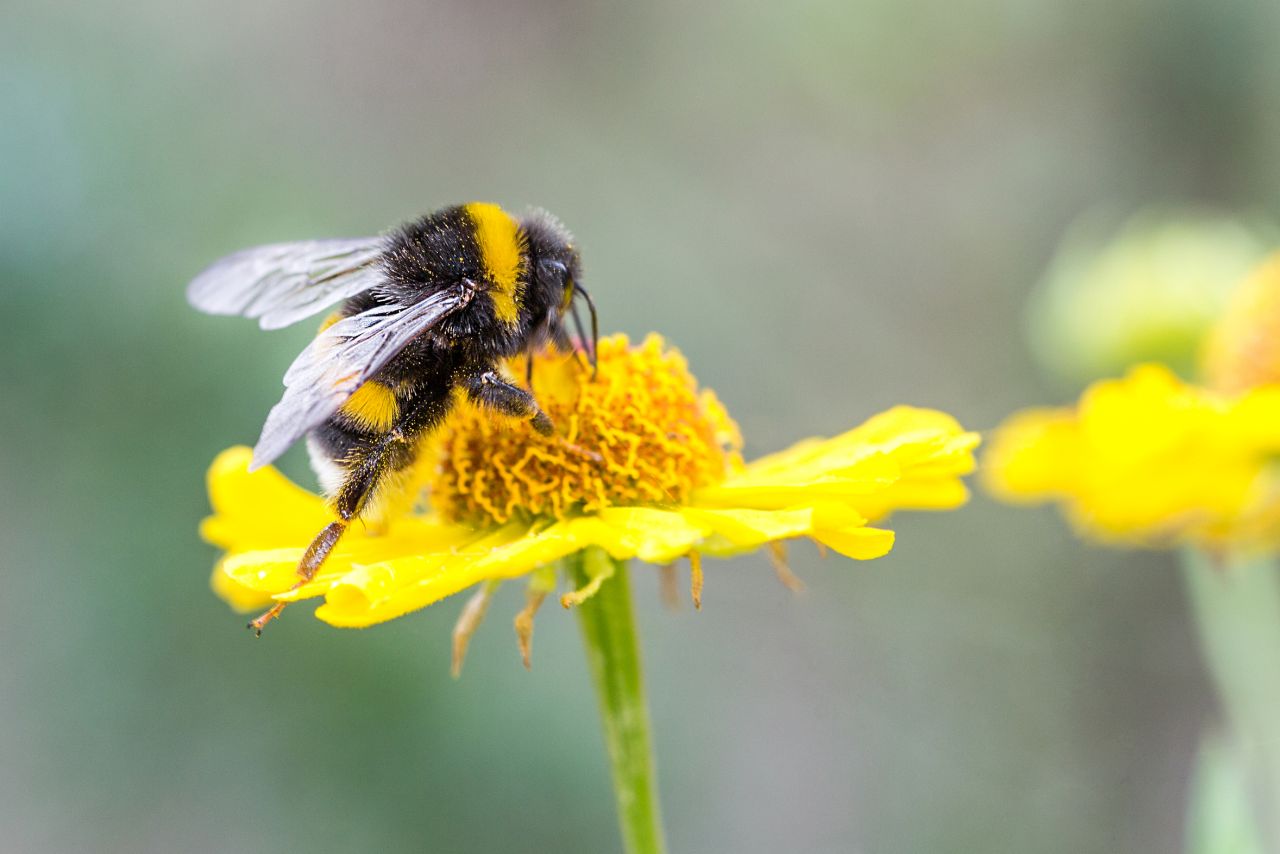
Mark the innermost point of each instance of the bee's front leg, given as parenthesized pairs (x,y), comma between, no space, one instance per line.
(489,389)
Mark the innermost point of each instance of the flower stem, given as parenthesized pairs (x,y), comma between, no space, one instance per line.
(613,654)
(1237,610)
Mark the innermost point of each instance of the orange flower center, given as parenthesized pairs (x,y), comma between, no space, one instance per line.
(641,432)
(1243,350)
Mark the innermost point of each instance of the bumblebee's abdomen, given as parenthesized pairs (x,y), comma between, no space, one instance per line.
(386,417)
(342,439)
(355,429)
(373,407)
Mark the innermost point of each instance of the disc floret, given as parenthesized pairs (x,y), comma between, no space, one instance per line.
(640,433)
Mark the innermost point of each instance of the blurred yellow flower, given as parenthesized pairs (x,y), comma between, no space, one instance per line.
(1149,460)
(642,464)
(1147,291)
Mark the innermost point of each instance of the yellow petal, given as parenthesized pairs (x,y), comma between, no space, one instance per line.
(241,598)
(890,431)
(733,531)
(1032,456)
(647,533)
(857,543)
(258,509)
(275,570)
(370,594)
(266,571)
(779,496)
(905,458)
(915,494)
(745,529)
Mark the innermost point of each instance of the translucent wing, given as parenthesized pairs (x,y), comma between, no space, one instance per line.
(282,283)
(340,359)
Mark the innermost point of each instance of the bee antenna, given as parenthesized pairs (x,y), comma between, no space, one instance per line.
(595,328)
(582,338)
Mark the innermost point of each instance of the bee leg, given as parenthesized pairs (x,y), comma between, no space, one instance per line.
(311,561)
(528,371)
(390,453)
(489,389)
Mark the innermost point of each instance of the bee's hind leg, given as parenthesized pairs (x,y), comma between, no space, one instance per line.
(389,453)
(311,562)
(368,461)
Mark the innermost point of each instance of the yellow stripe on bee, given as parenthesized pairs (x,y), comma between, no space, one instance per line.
(373,406)
(502,250)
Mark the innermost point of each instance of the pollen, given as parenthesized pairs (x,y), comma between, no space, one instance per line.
(640,432)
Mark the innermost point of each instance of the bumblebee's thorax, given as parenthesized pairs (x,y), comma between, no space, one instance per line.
(477,243)
(523,270)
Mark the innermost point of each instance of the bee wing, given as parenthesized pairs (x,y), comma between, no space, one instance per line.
(340,359)
(282,283)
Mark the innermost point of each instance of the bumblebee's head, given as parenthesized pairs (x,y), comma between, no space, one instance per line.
(555,278)
(555,265)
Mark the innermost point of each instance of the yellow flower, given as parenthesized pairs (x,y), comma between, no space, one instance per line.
(1149,460)
(642,465)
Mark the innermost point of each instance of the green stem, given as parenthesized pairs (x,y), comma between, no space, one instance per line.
(1237,611)
(613,654)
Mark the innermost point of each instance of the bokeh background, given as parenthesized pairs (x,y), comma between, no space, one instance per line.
(832,207)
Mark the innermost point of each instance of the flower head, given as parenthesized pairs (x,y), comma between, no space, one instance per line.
(1152,460)
(1148,292)
(1149,460)
(642,464)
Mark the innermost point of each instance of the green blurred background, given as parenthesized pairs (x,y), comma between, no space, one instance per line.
(831,207)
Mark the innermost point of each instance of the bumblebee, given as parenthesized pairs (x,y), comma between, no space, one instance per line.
(427,311)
